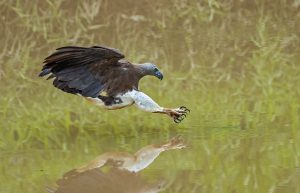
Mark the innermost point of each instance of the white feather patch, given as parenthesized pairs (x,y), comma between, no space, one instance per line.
(143,101)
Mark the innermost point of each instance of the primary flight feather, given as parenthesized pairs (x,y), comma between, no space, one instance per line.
(92,71)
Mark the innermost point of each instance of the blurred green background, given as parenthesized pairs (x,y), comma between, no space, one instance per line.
(234,63)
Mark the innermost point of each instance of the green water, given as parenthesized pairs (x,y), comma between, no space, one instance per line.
(220,159)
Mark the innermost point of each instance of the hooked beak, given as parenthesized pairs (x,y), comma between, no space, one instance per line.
(159,75)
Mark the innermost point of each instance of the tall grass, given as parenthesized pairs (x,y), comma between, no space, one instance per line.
(234,63)
(234,58)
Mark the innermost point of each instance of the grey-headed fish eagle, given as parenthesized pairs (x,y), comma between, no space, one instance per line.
(92,71)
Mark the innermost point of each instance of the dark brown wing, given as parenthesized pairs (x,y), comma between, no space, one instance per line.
(89,71)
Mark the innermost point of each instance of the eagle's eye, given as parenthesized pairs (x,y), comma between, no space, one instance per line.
(155,69)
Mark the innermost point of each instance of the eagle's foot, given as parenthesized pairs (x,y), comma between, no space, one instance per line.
(178,114)
(175,143)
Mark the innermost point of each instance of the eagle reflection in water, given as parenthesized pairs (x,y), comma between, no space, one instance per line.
(123,172)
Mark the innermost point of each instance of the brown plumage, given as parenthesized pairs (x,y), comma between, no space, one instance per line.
(89,71)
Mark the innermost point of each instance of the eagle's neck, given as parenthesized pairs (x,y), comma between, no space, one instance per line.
(141,70)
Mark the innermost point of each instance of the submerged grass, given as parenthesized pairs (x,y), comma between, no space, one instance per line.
(235,64)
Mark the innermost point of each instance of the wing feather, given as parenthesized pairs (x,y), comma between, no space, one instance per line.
(89,71)
(92,90)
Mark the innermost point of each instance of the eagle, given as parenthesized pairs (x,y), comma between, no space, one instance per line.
(101,75)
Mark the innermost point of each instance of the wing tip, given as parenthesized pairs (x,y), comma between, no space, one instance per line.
(45,72)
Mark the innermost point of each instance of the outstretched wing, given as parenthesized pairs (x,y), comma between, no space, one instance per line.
(89,71)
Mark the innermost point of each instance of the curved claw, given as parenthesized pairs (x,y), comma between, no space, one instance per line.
(180,118)
(184,109)
(176,120)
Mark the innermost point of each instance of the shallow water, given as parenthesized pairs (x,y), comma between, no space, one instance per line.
(215,160)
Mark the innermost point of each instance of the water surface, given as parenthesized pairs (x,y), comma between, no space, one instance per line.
(215,160)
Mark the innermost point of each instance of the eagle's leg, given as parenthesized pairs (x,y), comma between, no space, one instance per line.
(145,103)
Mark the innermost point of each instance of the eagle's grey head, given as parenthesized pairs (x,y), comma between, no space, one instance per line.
(151,69)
